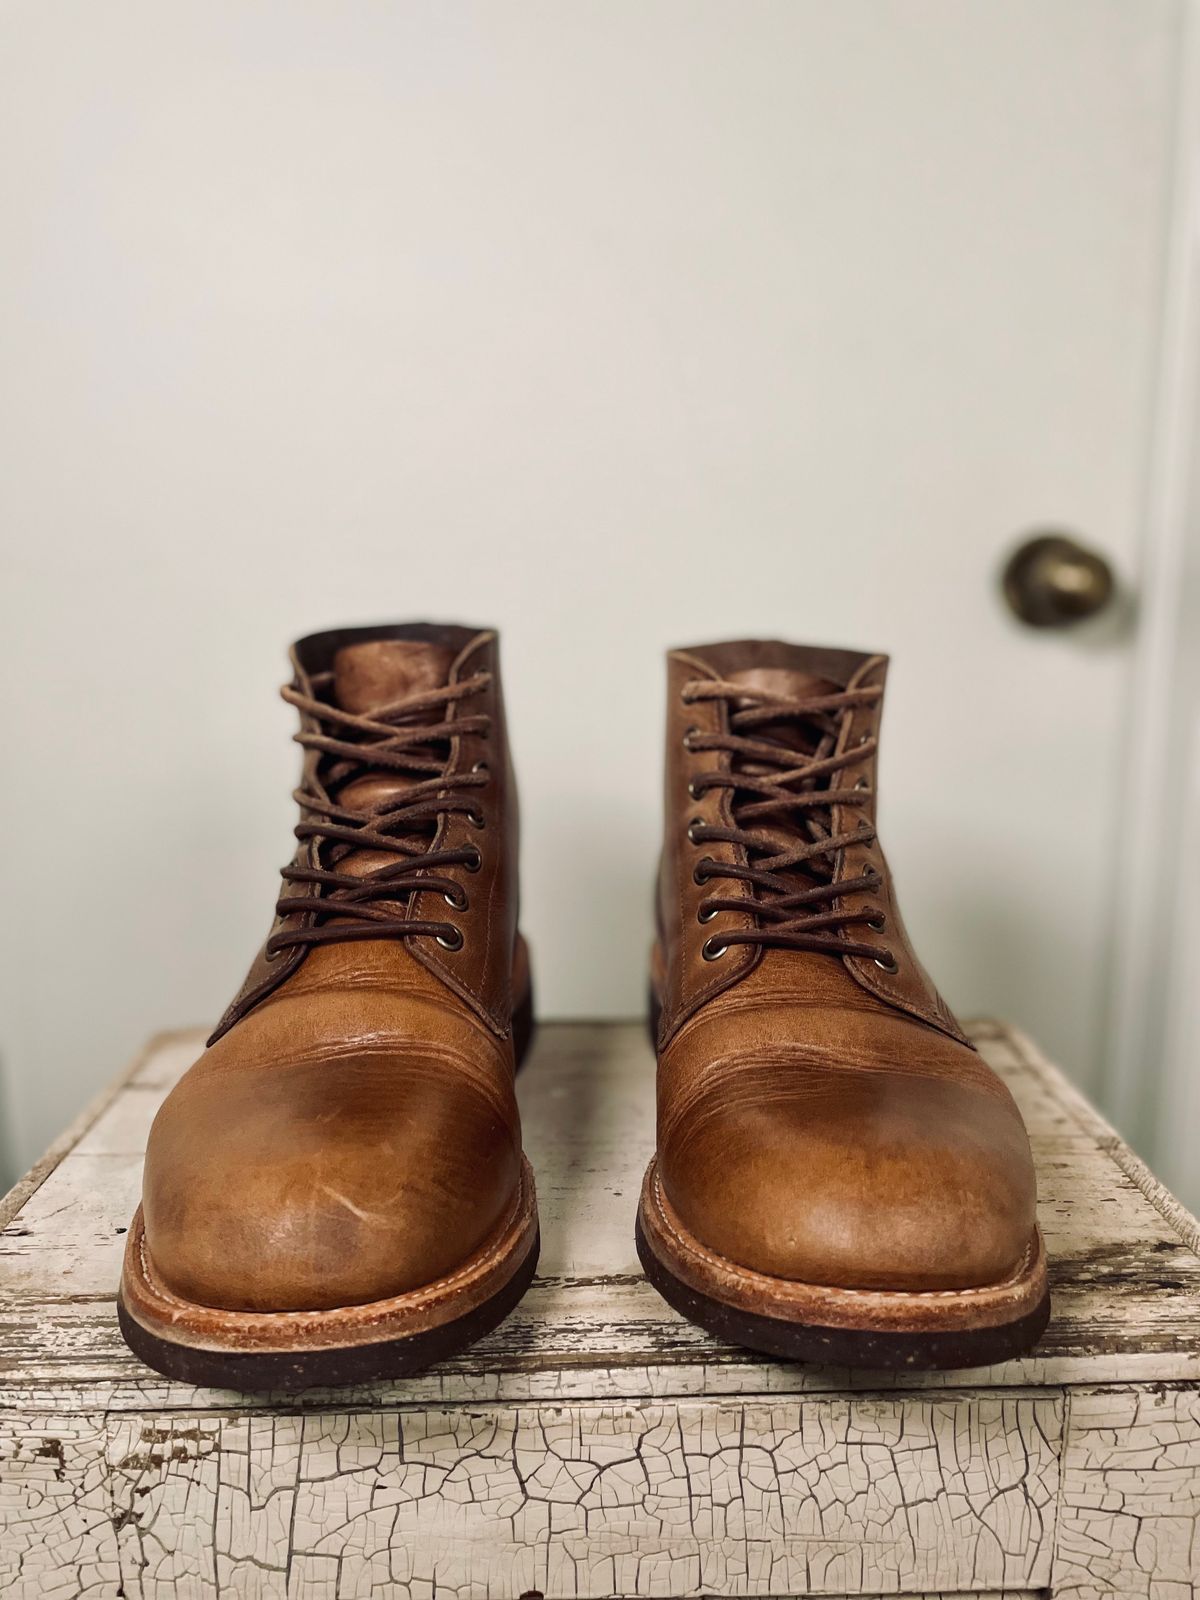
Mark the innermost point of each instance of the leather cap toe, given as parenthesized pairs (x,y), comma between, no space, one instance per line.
(320,1184)
(856,1179)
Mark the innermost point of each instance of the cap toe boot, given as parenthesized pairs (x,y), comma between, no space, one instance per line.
(336,1189)
(839,1175)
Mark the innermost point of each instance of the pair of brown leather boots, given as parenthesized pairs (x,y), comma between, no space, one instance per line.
(336,1190)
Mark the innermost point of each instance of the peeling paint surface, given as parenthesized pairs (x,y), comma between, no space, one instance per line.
(596,1445)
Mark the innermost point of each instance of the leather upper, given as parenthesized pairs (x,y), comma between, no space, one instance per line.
(351,1133)
(480,972)
(821,1117)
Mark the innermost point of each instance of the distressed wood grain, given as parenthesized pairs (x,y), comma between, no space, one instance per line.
(596,1444)
(1125,1273)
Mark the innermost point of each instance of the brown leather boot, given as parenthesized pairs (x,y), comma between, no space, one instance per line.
(335,1191)
(839,1176)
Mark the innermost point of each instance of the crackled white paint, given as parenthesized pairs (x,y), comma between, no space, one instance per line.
(596,1445)
(858,1496)
(1129,1518)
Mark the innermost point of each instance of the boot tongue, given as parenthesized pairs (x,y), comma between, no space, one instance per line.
(783,683)
(379,672)
(367,678)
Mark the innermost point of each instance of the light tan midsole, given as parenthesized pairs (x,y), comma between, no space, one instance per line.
(164,1314)
(825,1305)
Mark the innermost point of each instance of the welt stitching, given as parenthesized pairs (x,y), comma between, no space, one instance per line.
(701,1252)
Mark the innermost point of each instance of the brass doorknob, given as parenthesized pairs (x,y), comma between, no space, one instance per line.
(1052,581)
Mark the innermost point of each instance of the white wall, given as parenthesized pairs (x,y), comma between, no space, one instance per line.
(519,314)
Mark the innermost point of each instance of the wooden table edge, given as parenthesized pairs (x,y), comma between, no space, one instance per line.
(55,1153)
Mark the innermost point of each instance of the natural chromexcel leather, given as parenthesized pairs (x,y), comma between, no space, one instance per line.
(351,1133)
(821,1116)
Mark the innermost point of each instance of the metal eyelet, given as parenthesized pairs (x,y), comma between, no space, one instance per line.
(481,766)
(458,900)
(712,949)
(455,943)
(877,923)
(862,783)
(476,860)
(696,822)
(699,871)
(864,738)
(706,916)
(694,790)
(477,819)
(887,962)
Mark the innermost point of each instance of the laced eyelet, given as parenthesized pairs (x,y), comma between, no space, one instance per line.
(476,861)
(712,949)
(877,923)
(696,822)
(688,737)
(700,870)
(695,790)
(451,941)
(887,962)
(862,783)
(706,916)
(458,900)
(477,819)
(864,738)
(481,766)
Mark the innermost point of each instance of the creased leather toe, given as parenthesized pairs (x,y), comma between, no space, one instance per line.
(851,1179)
(324,1186)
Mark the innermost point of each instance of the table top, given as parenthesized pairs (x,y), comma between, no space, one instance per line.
(1124,1255)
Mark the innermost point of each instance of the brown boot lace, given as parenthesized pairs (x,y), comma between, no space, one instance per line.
(392,739)
(787,778)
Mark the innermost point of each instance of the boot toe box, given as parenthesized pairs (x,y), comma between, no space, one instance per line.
(319,1185)
(857,1179)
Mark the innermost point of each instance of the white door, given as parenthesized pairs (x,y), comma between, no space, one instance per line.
(621,324)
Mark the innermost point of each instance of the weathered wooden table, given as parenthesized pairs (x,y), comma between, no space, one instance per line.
(596,1444)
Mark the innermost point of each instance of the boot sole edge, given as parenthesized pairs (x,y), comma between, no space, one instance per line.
(892,1330)
(287,1350)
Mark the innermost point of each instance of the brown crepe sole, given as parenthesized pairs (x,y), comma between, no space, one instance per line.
(885,1329)
(259,1350)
